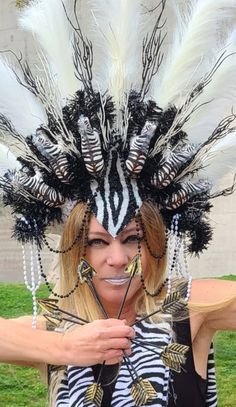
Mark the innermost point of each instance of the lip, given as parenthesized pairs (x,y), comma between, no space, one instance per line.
(117,280)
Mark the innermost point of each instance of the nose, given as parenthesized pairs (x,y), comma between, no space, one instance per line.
(117,256)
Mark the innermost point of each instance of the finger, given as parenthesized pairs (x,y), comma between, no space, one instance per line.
(110,322)
(123,343)
(120,332)
(112,354)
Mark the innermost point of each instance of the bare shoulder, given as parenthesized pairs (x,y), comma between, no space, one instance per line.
(26,320)
(210,291)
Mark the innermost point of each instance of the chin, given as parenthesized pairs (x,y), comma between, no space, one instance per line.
(113,294)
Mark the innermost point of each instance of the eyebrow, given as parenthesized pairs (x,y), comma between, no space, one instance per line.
(124,232)
(94,232)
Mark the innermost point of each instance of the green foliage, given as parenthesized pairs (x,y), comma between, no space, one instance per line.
(22,387)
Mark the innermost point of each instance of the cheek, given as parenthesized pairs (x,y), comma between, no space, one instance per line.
(95,259)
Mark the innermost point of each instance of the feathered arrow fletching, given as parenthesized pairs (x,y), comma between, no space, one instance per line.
(94,395)
(85,271)
(173,356)
(173,303)
(54,318)
(142,392)
(48,304)
(134,267)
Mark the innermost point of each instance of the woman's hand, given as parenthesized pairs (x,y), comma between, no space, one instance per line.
(97,341)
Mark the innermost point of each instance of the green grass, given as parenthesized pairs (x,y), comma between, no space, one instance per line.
(19,386)
(22,387)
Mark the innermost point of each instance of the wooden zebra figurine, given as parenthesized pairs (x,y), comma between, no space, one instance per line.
(139,148)
(186,191)
(90,147)
(34,186)
(170,164)
(58,160)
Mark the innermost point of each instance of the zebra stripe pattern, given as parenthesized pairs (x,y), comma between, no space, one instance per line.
(186,191)
(170,165)
(116,196)
(211,399)
(53,153)
(37,188)
(90,147)
(76,380)
(139,148)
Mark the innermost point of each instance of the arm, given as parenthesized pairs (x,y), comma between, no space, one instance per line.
(218,301)
(84,345)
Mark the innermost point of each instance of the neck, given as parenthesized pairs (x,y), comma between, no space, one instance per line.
(128,312)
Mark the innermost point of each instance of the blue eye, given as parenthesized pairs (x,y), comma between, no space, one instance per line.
(97,243)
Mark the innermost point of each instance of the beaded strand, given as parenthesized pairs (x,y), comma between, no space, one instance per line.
(177,259)
(77,238)
(158,291)
(84,228)
(156,256)
(173,252)
(48,284)
(33,286)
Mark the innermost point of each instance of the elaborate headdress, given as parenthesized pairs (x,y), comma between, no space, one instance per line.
(129,102)
(114,116)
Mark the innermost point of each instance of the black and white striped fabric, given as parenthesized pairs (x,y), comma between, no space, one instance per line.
(211,399)
(149,366)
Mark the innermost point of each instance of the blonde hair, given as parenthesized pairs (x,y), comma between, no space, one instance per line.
(81,300)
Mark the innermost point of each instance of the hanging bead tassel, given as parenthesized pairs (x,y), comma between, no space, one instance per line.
(33,282)
(177,257)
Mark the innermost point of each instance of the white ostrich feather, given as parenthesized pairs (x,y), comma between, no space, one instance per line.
(219,161)
(172,31)
(191,56)
(47,21)
(17,103)
(7,160)
(221,95)
(117,25)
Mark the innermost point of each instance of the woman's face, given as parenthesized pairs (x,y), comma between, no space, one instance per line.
(109,257)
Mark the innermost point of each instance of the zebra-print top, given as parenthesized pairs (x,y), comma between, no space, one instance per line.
(148,365)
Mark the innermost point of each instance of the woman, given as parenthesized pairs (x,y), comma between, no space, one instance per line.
(114,147)
(110,258)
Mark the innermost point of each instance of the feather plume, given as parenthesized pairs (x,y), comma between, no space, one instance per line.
(7,160)
(220,160)
(221,95)
(18,104)
(172,31)
(119,63)
(48,22)
(191,55)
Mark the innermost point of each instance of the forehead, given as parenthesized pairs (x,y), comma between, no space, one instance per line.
(96,227)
